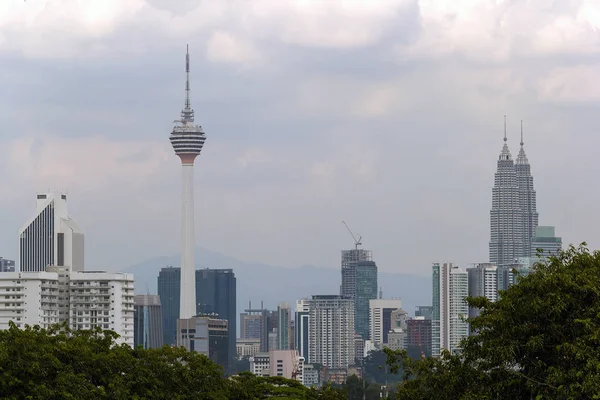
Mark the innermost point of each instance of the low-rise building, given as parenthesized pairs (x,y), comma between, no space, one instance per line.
(247,347)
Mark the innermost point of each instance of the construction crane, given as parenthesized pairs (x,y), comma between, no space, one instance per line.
(357,242)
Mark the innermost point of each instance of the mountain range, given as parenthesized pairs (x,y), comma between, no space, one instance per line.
(271,284)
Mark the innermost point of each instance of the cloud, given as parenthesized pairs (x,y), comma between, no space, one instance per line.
(225,47)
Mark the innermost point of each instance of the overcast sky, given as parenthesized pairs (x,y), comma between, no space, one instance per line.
(385,114)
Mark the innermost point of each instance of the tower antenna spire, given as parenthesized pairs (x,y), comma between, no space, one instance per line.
(188,105)
(522,134)
(505,127)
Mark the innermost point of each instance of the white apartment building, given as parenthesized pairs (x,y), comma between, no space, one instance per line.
(260,364)
(380,319)
(101,299)
(483,282)
(51,237)
(450,310)
(84,299)
(331,331)
(28,298)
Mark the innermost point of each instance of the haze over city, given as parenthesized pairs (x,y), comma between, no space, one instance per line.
(388,115)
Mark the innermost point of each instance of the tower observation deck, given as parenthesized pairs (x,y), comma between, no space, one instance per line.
(187,138)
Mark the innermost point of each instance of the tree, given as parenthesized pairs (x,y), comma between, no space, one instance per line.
(540,340)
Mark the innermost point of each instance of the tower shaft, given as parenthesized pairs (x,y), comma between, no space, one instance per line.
(188,276)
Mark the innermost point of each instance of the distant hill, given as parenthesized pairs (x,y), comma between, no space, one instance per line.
(272,284)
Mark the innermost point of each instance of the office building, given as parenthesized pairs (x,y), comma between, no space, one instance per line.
(450,310)
(260,364)
(331,331)
(84,300)
(545,243)
(418,337)
(148,323)
(380,319)
(286,363)
(301,327)
(284,326)
(169,284)
(424,311)
(205,335)
(250,326)
(7,265)
(483,282)
(51,237)
(396,340)
(359,283)
(247,347)
(187,139)
(215,292)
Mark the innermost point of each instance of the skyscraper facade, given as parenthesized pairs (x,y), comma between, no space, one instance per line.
(301,327)
(366,290)
(187,140)
(331,331)
(527,199)
(51,237)
(483,282)
(513,217)
(359,283)
(450,309)
(545,240)
(284,326)
(147,323)
(169,290)
(216,294)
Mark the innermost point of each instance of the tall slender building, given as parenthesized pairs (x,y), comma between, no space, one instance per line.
(187,140)
(527,199)
(507,239)
(51,237)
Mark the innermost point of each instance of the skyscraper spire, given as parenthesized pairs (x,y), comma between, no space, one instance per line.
(505,153)
(521,157)
(187,114)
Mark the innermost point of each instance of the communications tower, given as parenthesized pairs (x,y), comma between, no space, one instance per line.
(187,140)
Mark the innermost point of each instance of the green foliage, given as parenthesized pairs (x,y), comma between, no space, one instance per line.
(58,363)
(540,340)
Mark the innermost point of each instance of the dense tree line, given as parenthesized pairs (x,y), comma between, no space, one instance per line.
(58,363)
(540,340)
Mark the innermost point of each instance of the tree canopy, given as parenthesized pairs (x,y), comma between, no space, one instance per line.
(540,340)
(58,363)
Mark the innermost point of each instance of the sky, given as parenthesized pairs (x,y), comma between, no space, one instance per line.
(385,114)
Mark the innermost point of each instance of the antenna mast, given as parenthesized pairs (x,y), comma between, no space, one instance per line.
(357,242)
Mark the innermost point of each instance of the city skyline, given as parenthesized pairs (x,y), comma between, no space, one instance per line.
(280,161)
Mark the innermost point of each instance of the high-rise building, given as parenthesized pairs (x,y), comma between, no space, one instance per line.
(148,323)
(205,335)
(506,217)
(284,326)
(450,309)
(418,341)
(51,237)
(169,289)
(187,139)
(84,300)
(483,282)
(546,241)
(424,311)
(301,327)
(349,260)
(366,290)
(527,199)
(359,283)
(7,265)
(380,319)
(250,326)
(216,294)
(331,331)
(514,216)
